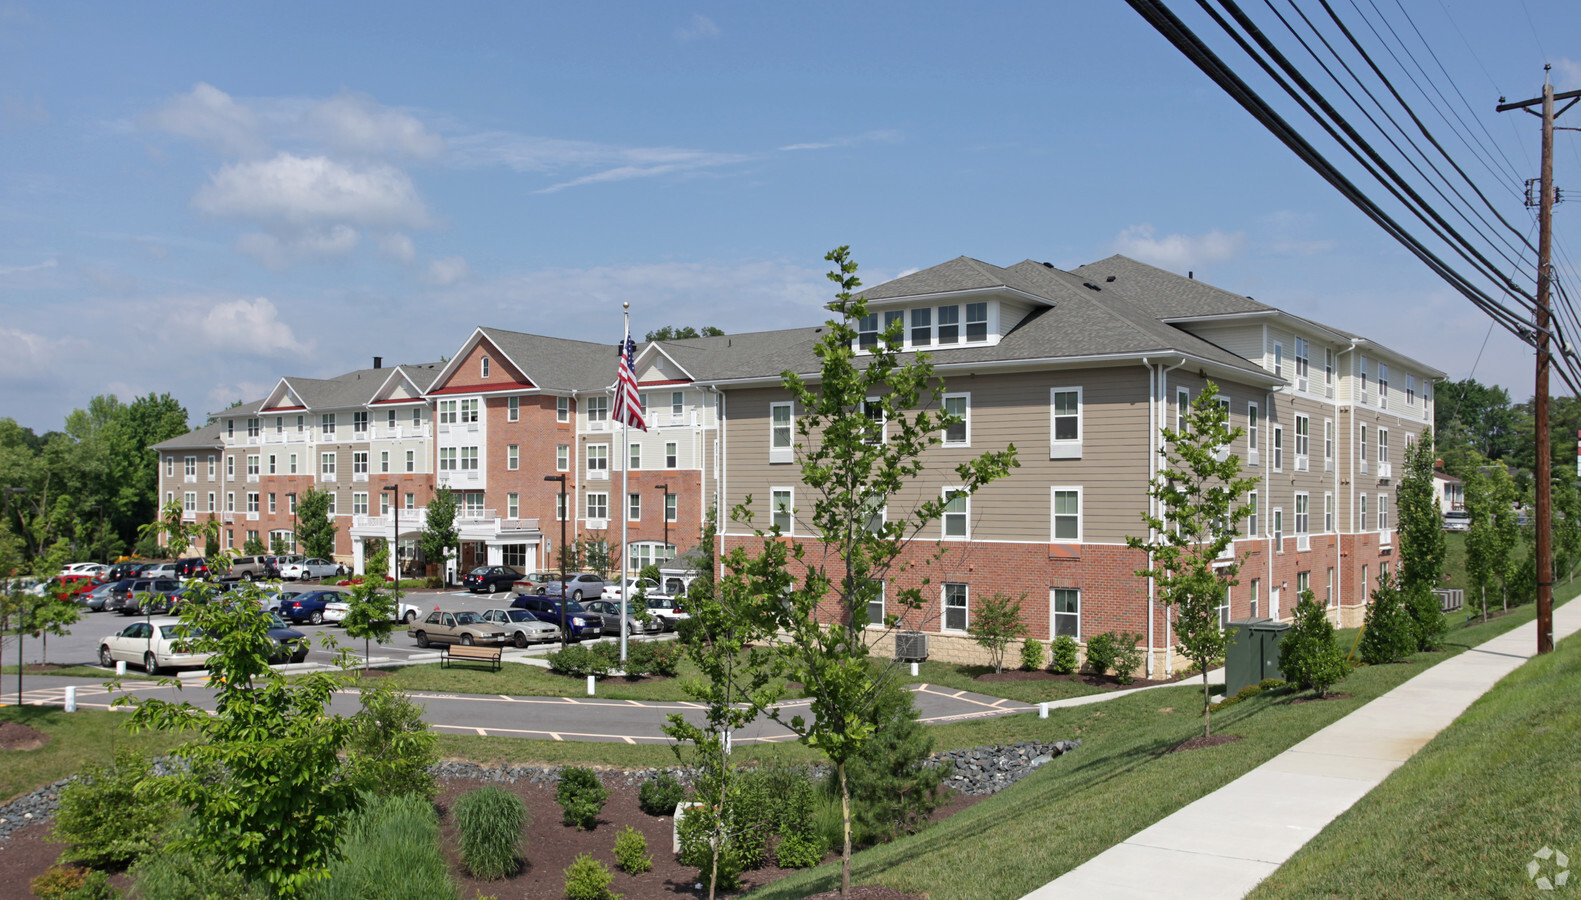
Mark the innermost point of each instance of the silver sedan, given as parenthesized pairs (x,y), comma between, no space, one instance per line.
(610,610)
(521,627)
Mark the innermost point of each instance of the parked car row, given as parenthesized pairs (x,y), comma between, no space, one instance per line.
(160,644)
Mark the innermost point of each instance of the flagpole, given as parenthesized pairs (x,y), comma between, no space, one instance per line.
(625,495)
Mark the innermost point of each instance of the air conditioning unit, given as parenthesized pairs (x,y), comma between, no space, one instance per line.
(1301,385)
(911,646)
(1328,392)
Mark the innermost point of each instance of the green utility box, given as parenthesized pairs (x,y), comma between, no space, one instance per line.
(1253,654)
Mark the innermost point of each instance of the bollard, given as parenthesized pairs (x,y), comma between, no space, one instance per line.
(727,743)
(590,685)
(1043,710)
(120,668)
(913,670)
(71,698)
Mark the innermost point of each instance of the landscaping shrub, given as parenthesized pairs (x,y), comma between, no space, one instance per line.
(1309,657)
(689,631)
(801,849)
(828,823)
(390,851)
(69,883)
(1101,652)
(1389,633)
(390,747)
(587,879)
(631,852)
(1129,655)
(639,659)
(659,794)
(893,789)
(1427,617)
(169,875)
(577,661)
(433,581)
(491,822)
(1064,655)
(696,828)
(1269,684)
(666,657)
(581,795)
(112,815)
(1031,654)
(607,653)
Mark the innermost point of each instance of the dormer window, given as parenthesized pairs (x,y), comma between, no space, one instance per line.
(976,322)
(949,325)
(929,326)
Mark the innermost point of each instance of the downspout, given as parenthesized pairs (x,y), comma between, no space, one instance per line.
(1337,566)
(1159,408)
(721,412)
(1350,452)
(1267,499)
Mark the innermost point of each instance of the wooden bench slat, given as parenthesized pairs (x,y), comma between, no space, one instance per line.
(452,652)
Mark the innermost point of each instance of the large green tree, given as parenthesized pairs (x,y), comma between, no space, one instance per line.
(681,332)
(1469,415)
(439,535)
(1200,499)
(315,526)
(807,602)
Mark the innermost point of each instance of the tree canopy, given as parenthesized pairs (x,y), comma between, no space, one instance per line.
(682,332)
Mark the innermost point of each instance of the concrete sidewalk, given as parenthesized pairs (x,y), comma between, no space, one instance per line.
(1224,844)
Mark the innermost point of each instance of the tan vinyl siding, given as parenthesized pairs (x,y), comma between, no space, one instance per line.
(1242,339)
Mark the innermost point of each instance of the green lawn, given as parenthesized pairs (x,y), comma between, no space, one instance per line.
(1116,784)
(77,672)
(961,678)
(1463,817)
(85,736)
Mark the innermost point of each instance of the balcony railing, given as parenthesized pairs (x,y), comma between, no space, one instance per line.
(475,515)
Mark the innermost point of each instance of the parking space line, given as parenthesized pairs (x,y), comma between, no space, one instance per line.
(483,732)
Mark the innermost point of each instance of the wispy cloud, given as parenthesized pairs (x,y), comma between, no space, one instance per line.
(1569,76)
(884,135)
(699,28)
(16,270)
(355,124)
(1174,251)
(211,117)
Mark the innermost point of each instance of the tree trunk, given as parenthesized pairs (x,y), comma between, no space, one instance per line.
(1207,705)
(845,817)
(1484,603)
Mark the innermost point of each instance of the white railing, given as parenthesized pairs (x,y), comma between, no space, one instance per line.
(475,515)
(518,524)
(469,476)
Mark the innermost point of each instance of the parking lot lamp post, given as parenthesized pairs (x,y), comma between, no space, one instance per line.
(22,609)
(565,513)
(291,498)
(395,550)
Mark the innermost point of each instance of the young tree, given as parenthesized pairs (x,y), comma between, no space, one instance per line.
(181,535)
(1388,633)
(1422,544)
(254,546)
(1482,561)
(1309,658)
(1199,497)
(995,624)
(439,528)
(810,608)
(370,609)
(315,526)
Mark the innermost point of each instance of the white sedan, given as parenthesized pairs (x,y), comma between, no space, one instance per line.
(612,591)
(310,568)
(153,644)
(335,613)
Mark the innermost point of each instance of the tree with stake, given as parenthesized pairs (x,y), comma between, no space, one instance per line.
(785,594)
(370,610)
(1199,497)
(315,526)
(439,528)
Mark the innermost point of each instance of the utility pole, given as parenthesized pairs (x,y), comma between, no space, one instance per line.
(1544,475)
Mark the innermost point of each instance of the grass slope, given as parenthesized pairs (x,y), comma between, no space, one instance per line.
(1463,817)
(85,736)
(1118,782)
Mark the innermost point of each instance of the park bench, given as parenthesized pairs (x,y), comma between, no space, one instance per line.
(450,653)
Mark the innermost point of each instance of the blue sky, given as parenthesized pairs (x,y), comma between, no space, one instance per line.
(199,198)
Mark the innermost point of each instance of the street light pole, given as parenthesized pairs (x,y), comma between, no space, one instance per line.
(395,551)
(22,609)
(292,497)
(564,514)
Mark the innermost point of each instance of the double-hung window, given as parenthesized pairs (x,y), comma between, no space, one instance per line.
(957,508)
(1065,511)
(1303,520)
(598,409)
(326,424)
(1279,529)
(597,505)
(1066,604)
(1065,431)
(1410,390)
(1362,508)
(1279,448)
(252,467)
(1253,423)
(671,449)
(447,412)
(780,500)
(1328,510)
(513,457)
(976,322)
(1383,452)
(1328,445)
(958,406)
(1329,364)
(190,467)
(677,404)
(598,460)
(562,411)
(513,505)
(1363,450)
(562,457)
(1383,512)
(954,601)
(922,327)
(949,325)
(252,428)
(447,459)
(670,501)
(1251,514)
(326,466)
(469,411)
(384,462)
(1303,442)
(359,464)
(359,423)
(1182,411)
(359,503)
(634,456)
(873,408)
(469,458)
(1383,385)
(1303,350)
(513,409)
(867,332)
(875,602)
(781,447)
(411,460)
(634,507)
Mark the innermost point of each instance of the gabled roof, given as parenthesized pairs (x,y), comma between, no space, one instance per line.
(556,364)
(960,275)
(205,438)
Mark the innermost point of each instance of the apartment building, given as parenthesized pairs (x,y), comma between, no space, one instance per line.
(1082,371)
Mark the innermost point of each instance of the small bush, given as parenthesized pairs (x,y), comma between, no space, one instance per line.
(801,849)
(582,796)
(1064,655)
(587,879)
(631,852)
(112,814)
(1308,655)
(607,653)
(577,661)
(491,822)
(1129,655)
(390,747)
(1031,654)
(1270,684)
(697,828)
(390,850)
(1389,633)
(639,659)
(660,794)
(68,883)
(1101,652)
(168,875)
(827,821)
(1427,617)
(666,658)
(688,631)
(433,581)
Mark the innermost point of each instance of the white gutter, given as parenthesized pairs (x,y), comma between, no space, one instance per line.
(1157,405)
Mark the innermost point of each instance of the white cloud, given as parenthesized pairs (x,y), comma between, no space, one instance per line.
(1569,77)
(23,111)
(355,124)
(884,135)
(251,326)
(700,27)
(398,247)
(209,116)
(28,356)
(526,153)
(13,270)
(1176,251)
(448,271)
(300,191)
(279,252)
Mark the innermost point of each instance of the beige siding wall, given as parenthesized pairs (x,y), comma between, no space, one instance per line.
(1242,339)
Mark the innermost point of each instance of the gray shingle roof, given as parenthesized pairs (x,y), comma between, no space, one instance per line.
(356,388)
(959,274)
(1165,295)
(206,437)
(558,364)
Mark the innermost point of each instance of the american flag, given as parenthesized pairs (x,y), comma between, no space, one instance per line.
(628,405)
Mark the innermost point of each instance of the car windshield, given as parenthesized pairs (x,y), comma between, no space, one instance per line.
(173,631)
(519,615)
(468,618)
(276,622)
(660,603)
(480,570)
(571,606)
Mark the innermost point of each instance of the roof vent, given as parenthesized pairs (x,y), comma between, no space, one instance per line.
(1090,286)
(1192,275)
(1048,265)
(378,362)
(1109,280)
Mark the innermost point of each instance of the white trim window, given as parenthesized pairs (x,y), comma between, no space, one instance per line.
(1383,386)
(1363,510)
(230,501)
(1330,363)
(1383,515)
(598,461)
(1064,613)
(634,507)
(1328,511)
(677,404)
(597,505)
(1256,601)
(959,406)
(867,333)
(949,324)
(291,464)
(1303,520)
(1279,448)
(922,326)
(782,509)
(634,455)
(782,421)
(1251,515)
(562,411)
(252,467)
(411,460)
(211,467)
(384,462)
(170,467)
(1303,442)
(877,421)
(1182,410)
(447,412)
(1065,514)
(562,457)
(1279,359)
(1224,610)
(976,323)
(877,513)
(252,503)
(469,411)
(671,454)
(327,465)
(953,598)
(1065,431)
(326,424)
(1253,422)
(189,501)
(359,503)
(190,467)
(359,464)
(671,502)
(597,408)
(1279,529)
(271,464)
(513,457)
(469,459)
(483,367)
(513,409)
(1410,390)
(875,603)
(447,459)
(1363,452)
(1364,380)
(254,427)
(513,505)
(1385,469)
(1303,351)
(359,422)
(1328,445)
(559,506)
(957,513)
(211,501)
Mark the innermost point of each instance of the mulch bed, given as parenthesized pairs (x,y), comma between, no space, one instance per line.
(1199,743)
(1102,682)
(16,736)
(43,667)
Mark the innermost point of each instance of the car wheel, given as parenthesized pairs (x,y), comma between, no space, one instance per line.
(520,640)
(317,617)
(411,616)
(577,596)
(494,588)
(247,576)
(105,659)
(466,640)
(150,664)
(422,639)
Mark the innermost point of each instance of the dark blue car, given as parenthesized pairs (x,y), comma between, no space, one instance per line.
(579,623)
(308,607)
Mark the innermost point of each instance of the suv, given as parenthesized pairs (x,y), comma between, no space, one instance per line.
(579,623)
(250,568)
(193,567)
(143,595)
